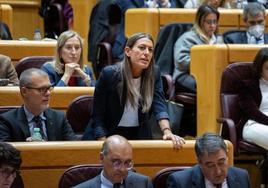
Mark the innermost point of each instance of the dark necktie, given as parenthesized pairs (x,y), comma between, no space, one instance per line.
(217,185)
(38,123)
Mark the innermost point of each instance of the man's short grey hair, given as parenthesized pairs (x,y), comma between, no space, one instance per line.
(253,9)
(209,143)
(26,76)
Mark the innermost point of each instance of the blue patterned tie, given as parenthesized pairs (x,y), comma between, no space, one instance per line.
(38,123)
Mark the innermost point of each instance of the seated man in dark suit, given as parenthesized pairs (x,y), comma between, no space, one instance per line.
(254,18)
(212,170)
(116,158)
(18,124)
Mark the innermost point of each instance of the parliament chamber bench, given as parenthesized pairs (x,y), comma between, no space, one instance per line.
(151,20)
(60,98)
(207,65)
(44,163)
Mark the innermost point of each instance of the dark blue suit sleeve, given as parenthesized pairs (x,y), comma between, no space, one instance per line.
(159,103)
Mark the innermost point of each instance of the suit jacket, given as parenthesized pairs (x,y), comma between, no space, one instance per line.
(55,78)
(14,126)
(133,180)
(193,178)
(250,98)
(109,102)
(239,37)
(7,70)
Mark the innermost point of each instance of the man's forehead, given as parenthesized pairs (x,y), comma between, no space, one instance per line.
(215,156)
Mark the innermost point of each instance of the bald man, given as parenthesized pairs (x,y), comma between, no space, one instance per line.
(116,158)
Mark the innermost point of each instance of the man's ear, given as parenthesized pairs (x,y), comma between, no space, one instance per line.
(23,91)
(101,156)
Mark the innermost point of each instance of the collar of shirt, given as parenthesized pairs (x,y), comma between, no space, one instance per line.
(30,116)
(208,184)
(256,41)
(105,183)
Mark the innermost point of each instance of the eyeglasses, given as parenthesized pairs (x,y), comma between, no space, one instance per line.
(117,163)
(211,22)
(6,172)
(42,90)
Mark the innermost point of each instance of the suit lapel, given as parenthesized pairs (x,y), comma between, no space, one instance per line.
(51,135)
(198,178)
(265,38)
(23,123)
(232,179)
(129,182)
(244,38)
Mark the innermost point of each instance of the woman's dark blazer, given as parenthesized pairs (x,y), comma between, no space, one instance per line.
(109,102)
(250,99)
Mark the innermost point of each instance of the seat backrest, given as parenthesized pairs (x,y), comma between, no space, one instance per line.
(166,39)
(78,174)
(103,57)
(229,36)
(160,179)
(31,62)
(57,15)
(230,82)
(79,112)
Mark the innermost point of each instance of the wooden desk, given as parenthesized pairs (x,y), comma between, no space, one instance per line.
(60,99)
(44,163)
(17,50)
(151,20)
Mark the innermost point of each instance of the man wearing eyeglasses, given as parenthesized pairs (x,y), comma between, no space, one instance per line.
(116,158)
(254,19)
(212,170)
(18,124)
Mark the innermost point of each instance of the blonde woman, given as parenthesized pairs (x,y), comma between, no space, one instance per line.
(67,68)
(204,31)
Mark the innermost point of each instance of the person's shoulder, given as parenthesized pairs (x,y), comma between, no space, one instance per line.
(11,112)
(91,183)
(5,59)
(110,70)
(53,112)
(238,171)
(137,175)
(185,173)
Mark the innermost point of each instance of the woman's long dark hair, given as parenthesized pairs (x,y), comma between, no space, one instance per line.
(145,95)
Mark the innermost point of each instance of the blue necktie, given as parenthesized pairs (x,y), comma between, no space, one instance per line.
(38,123)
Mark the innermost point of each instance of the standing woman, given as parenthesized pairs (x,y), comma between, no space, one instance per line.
(67,69)
(253,101)
(204,31)
(127,93)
